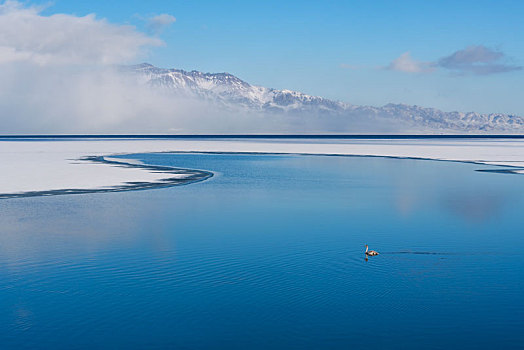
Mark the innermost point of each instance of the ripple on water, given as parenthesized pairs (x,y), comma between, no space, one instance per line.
(278,285)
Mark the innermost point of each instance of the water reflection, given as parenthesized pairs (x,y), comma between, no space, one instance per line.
(463,194)
(269,254)
(477,207)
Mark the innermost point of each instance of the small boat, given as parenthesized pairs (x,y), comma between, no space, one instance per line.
(370,252)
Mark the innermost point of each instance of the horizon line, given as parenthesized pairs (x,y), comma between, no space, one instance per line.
(262,136)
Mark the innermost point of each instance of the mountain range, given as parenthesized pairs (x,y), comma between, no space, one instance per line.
(231,93)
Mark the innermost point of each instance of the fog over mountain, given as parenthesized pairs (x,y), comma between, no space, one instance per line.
(143,99)
(316,114)
(63,73)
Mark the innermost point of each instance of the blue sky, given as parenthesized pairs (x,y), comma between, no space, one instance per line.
(338,49)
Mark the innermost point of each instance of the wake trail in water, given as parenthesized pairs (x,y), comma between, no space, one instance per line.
(438,253)
(419,253)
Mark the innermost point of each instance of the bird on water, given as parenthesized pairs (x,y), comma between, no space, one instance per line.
(370,252)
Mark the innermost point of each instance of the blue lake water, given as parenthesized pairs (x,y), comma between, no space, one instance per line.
(269,254)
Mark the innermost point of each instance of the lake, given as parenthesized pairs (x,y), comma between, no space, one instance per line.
(269,254)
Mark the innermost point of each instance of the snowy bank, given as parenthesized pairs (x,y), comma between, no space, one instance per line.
(45,165)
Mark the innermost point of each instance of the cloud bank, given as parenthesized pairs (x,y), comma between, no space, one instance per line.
(477,60)
(61,74)
(27,36)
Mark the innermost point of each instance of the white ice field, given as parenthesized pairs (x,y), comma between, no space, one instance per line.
(44,165)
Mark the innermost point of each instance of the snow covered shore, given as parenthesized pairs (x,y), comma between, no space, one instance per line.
(44,165)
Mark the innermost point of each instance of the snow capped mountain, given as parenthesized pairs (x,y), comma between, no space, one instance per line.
(230,92)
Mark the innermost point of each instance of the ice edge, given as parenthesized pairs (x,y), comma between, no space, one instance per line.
(192,176)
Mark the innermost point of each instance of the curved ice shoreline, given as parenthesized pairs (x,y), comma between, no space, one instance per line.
(46,167)
(174,177)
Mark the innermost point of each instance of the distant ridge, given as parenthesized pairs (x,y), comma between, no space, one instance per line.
(228,91)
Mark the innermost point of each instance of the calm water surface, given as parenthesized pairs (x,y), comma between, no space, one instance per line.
(268,254)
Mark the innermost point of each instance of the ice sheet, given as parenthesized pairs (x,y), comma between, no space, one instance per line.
(46,165)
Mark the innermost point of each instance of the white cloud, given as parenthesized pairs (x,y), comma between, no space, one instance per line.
(405,63)
(27,35)
(158,23)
